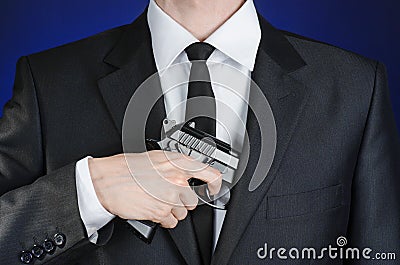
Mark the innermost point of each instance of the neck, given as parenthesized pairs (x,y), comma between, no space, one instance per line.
(200,17)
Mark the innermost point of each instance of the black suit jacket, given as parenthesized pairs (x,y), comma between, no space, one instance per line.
(335,172)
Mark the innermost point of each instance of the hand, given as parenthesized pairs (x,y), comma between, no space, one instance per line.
(150,186)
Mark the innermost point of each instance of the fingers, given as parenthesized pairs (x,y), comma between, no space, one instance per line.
(161,155)
(169,221)
(170,216)
(179,212)
(212,177)
(180,168)
(201,171)
(182,197)
(189,198)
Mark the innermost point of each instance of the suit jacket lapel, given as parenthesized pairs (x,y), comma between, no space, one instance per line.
(275,63)
(134,62)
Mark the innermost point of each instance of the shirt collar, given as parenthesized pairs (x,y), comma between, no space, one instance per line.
(238,38)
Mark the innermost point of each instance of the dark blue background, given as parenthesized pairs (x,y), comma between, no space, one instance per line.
(368,27)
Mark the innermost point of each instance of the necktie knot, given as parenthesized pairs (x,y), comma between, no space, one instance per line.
(199,51)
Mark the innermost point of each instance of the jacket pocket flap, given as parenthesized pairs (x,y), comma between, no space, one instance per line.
(305,202)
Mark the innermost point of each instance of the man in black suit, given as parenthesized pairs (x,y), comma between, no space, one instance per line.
(335,172)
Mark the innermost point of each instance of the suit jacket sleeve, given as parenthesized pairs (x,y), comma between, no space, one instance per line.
(34,204)
(375,202)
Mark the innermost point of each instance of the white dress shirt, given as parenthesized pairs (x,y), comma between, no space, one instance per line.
(236,43)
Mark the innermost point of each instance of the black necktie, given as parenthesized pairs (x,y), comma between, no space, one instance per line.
(198,54)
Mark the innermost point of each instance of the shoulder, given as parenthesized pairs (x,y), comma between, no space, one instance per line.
(328,56)
(329,64)
(86,51)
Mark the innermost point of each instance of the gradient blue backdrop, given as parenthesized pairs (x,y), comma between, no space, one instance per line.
(368,27)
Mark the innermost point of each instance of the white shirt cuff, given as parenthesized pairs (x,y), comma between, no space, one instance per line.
(93,214)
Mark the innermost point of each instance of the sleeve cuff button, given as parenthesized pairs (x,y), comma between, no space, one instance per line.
(26,257)
(59,240)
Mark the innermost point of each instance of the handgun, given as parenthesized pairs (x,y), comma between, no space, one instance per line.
(186,139)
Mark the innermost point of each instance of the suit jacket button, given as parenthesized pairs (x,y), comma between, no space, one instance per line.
(26,257)
(48,246)
(59,240)
(37,251)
